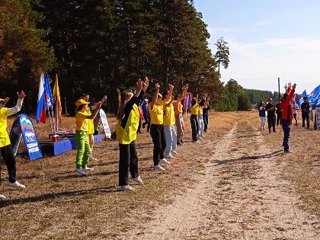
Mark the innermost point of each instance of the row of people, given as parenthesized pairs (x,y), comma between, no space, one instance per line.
(273,113)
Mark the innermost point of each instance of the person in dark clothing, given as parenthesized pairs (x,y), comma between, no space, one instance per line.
(305,106)
(286,117)
(146,115)
(271,115)
(278,112)
(206,108)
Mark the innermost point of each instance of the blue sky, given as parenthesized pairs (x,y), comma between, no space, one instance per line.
(267,39)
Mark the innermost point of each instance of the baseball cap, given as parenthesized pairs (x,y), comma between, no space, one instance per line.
(80,102)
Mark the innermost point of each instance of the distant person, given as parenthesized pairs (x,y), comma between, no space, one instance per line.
(262,115)
(5,143)
(295,111)
(278,112)
(206,109)
(286,117)
(271,116)
(305,108)
(146,115)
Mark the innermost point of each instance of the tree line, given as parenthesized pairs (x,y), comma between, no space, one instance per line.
(96,46)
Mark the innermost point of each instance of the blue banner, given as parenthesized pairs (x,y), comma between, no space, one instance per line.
(29,137)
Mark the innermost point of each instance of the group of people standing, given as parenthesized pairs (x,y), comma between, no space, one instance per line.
(163,117)
(284,113)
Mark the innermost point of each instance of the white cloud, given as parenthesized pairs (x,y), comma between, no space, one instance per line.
(258,65)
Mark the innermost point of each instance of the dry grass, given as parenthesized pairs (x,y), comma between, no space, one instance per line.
(302,167)
(59,204)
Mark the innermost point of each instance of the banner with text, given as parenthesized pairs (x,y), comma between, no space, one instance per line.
(23,127)
(104,120)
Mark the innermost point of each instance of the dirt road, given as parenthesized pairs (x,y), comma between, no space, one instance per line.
(240,195)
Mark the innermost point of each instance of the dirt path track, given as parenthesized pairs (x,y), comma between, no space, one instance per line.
(240,195)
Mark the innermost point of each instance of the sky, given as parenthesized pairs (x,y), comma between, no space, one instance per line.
(267,39)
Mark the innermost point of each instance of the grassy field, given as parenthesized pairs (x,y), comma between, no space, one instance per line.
(58,204)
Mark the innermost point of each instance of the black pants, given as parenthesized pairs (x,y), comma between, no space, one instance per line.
(159,142)
(128,159)
(271,122)
(205,121)
(305,117)
(147,122)
(7,154)
(194,127)
(286,125)
(278,118)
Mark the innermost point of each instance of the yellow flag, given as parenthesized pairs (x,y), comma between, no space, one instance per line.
(57,100)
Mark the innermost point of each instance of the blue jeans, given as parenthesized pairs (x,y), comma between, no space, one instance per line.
(171,139)
(286,126)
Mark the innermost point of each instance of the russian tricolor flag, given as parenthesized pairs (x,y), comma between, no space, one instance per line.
(41,104)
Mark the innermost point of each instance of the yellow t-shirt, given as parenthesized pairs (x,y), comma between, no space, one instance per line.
(178,108)
(4,136)
(81,120)
(156,113)
(90,122)
(194,109)
(200,110)
(129,133)
(168,117)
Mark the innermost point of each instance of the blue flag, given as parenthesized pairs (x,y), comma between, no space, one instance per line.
(303,95)
(314,95)
(48,92)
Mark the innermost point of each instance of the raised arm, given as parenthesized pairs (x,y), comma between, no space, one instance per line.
(156,92)
(18,106)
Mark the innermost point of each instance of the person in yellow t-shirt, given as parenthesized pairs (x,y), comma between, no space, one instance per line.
(194,119)
(178,112)
(81,136)
(91,129)
(169,122)
(126,134)
(156,129)
(5,143)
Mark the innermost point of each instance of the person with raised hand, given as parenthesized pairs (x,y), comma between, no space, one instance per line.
(156,129)
(194,119)
(126,133)
(5,143)
(178,111)
(169,122)
(81,136)
(286,117)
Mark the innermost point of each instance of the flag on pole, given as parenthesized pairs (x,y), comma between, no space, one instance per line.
(57,101)
(47,90)
(41,103)
(303,95)
(313,97)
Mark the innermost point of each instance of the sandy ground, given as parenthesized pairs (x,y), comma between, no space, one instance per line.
(239,195)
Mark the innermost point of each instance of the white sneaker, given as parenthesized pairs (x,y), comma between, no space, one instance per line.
(80,172)
(169,156)
(158,168)
(16,184)
(139,180)
(175,152)
(164,161)
(2,196)
(126,188)
(92,158)
(88,168)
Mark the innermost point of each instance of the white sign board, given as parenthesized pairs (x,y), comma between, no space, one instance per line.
(104,120)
